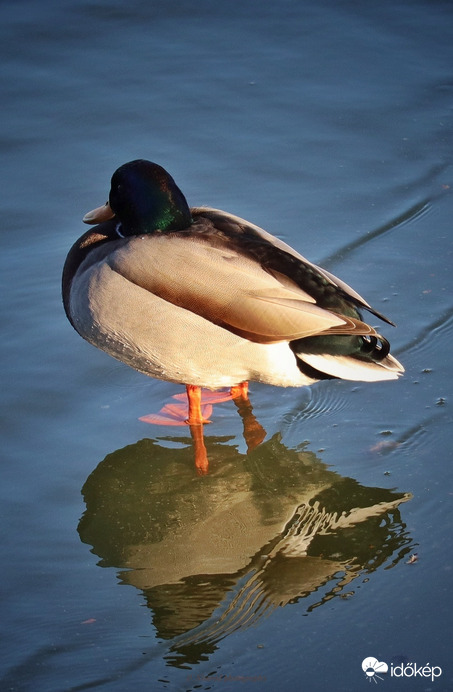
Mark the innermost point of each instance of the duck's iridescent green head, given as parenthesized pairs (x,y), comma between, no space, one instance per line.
(145,198)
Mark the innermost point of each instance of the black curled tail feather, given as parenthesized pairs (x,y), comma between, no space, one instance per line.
(375,347)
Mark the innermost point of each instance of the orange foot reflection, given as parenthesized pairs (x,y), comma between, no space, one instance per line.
(195,409)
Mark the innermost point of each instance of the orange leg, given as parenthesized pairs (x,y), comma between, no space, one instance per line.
(240,390)
(195,413)
(254,432)
(201,455)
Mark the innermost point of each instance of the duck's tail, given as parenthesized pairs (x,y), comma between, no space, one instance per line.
(347,357)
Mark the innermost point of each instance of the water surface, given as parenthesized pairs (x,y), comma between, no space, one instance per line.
(330,125)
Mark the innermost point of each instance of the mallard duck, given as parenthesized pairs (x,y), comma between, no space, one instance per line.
(201,297)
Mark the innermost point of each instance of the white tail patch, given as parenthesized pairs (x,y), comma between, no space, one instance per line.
(347,368)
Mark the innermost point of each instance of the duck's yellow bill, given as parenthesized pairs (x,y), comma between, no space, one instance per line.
(99,215)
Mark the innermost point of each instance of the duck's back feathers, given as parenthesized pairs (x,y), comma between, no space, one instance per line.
(276,256)
(221,285)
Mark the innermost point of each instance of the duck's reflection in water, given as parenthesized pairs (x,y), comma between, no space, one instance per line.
(214,553)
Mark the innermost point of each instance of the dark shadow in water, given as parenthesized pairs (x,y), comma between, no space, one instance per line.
(216,552)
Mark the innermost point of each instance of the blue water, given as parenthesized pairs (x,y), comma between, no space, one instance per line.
(330,125)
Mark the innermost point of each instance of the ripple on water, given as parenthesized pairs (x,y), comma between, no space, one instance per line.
(323,400)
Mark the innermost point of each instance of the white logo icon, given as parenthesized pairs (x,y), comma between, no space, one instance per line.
(371,667)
